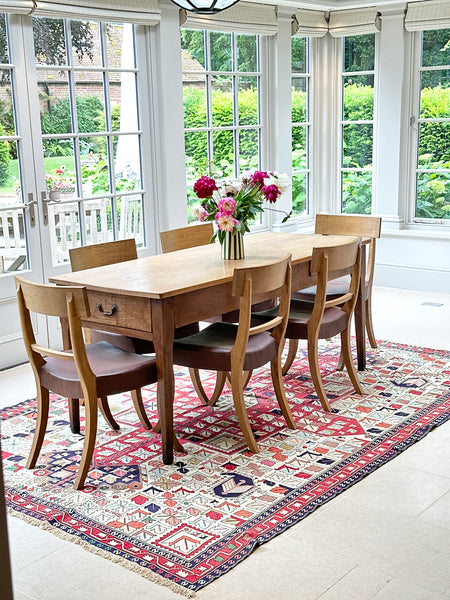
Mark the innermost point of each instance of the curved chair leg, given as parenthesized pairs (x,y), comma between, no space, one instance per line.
(247,376)
(340,364)
(136,395)
(348,360)
(176,444)
(198,386)
(41,426)
(277,380)
(293,347)
(313,358)
(241,411)
(106,412)
(369,324)
(90,432)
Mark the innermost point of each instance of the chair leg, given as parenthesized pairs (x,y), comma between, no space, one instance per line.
(176,444)
(277,380)
(106,412)
(41,426)
(241,411)
(348,360)
(313,358)
(340,364)
(140,409)
(369,323)
(90,432)
(198,386)
(293,347)
(246,378)
(74,414)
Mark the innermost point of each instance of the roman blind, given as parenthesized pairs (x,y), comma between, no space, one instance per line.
(144,12)
(21,7)
(434,14)
(312,23)
(243,17)
(354,22)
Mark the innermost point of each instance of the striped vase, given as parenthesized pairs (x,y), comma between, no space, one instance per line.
(233,246)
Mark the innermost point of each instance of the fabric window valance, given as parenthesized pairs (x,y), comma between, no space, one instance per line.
(354,22)
(312,23)
(143,12)
(243,17)
(434,14)
(18,7)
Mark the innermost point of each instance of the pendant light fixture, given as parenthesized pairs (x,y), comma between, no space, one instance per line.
(205,7)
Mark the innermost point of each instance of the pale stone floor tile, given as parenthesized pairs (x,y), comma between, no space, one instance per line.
(397,589)
(438,513)
(431,570)
(362,583)
(287,571)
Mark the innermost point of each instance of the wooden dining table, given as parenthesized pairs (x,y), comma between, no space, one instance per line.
(149,297)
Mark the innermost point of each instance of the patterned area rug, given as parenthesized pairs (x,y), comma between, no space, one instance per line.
(186,524)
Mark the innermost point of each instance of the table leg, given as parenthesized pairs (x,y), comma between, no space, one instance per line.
(163,329)
(360,314)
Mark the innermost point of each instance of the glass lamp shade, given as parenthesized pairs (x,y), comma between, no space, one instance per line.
(205,7)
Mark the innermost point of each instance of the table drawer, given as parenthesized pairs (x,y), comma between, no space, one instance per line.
(131,312)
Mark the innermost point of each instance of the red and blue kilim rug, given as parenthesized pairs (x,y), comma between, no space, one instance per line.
(185,524)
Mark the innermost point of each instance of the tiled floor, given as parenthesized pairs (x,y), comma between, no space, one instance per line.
(387,538)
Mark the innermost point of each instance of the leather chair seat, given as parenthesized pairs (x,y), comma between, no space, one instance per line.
(116,371)
(210,349)
(335,289)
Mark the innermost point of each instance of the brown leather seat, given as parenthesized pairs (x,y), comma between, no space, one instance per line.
(238,348)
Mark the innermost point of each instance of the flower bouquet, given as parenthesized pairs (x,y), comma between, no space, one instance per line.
(235,204)
(60,181)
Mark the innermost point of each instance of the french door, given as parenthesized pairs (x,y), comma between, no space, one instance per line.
(71,138)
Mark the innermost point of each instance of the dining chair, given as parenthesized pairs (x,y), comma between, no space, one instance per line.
(239,348)
(361,226)
(89,371)
(324,318)
(99,255)
(181,239)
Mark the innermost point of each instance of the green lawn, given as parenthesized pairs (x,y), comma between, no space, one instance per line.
(53,162)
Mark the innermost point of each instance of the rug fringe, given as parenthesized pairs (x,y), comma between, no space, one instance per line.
(142,571)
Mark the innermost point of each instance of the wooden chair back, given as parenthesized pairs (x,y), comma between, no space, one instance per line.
(66,302)
(99,255)
(329,263)
(358,225)
(273,279)
(186,237)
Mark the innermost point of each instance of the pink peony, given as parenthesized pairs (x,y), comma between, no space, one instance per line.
(226,205)
(225,222)
(204,187)
(200,213)
(258,177)
(271,192)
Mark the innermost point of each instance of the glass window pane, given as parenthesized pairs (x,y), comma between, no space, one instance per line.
(220,48)
(222,102)
(13,250)
(433,196)
(97,221)
(299,193)
(90,101)
(193,49)
(357,192)
(248,149)
(436,48)
(59,167)
(9,172)
(64,230)
(86,48)
(50,42)
(357,145)
(6,106)
(120,45)
(435,94)
(299,147)
(248,100)
(194,101)
(246,53)
(299,56)
(4,51)
(299,99)
(359,53)
(127,162)
(223,155)
(129,209)
(358,98)
(54,101)
(434,144)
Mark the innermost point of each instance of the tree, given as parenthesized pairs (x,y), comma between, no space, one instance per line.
(50,44)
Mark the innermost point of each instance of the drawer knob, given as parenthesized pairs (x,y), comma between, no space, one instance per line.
(106,314)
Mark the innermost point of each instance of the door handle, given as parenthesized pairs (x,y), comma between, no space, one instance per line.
(30,205)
